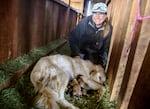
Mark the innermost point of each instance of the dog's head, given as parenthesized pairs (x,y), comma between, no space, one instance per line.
(95,79)
(98,74)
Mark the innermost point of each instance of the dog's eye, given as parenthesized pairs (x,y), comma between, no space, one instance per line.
(100,78)
(92,72)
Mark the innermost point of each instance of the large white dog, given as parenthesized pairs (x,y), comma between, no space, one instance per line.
(51,75)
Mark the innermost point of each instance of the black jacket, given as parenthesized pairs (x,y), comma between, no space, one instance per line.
(89,40)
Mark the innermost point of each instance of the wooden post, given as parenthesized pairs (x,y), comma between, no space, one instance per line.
(8,29)
(136,58)
(126,32)
(141,94)
(120,24)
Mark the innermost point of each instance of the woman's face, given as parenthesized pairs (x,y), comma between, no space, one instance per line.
(99,18)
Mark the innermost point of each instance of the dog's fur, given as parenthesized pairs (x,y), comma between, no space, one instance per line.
(51,75)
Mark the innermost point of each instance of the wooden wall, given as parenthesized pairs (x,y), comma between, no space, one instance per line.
(76,4)
(28,24)
(128,71)
(140,97)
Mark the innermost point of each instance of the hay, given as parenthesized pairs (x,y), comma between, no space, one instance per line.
(93,101)
(20,95)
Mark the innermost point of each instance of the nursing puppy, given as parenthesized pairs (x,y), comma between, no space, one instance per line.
(51,75)
(79,87)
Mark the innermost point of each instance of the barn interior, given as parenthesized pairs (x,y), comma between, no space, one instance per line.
(32,29)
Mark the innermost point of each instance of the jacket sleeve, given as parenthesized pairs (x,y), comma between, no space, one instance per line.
(74,39)
(106,45)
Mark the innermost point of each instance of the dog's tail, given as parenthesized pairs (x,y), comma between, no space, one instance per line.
(46,99)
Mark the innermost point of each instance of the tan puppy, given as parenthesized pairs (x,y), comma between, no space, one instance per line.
(77,87)
(51,75)
(74,88)
(81,85)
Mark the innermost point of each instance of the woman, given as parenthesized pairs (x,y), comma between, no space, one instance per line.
(90,39)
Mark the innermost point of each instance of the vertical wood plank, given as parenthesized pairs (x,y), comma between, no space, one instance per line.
(127,31)
(131,75)
(8,29)
(141,95)
(119,33)
(114,42)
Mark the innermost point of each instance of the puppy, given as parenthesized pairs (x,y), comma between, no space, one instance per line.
(74,88)
(51,75)
(80,86)
(77,87)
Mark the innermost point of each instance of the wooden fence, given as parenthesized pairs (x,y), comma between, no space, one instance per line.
(129,57)
(29,24)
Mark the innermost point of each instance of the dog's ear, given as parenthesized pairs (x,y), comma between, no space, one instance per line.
(99,68)
(93,71)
